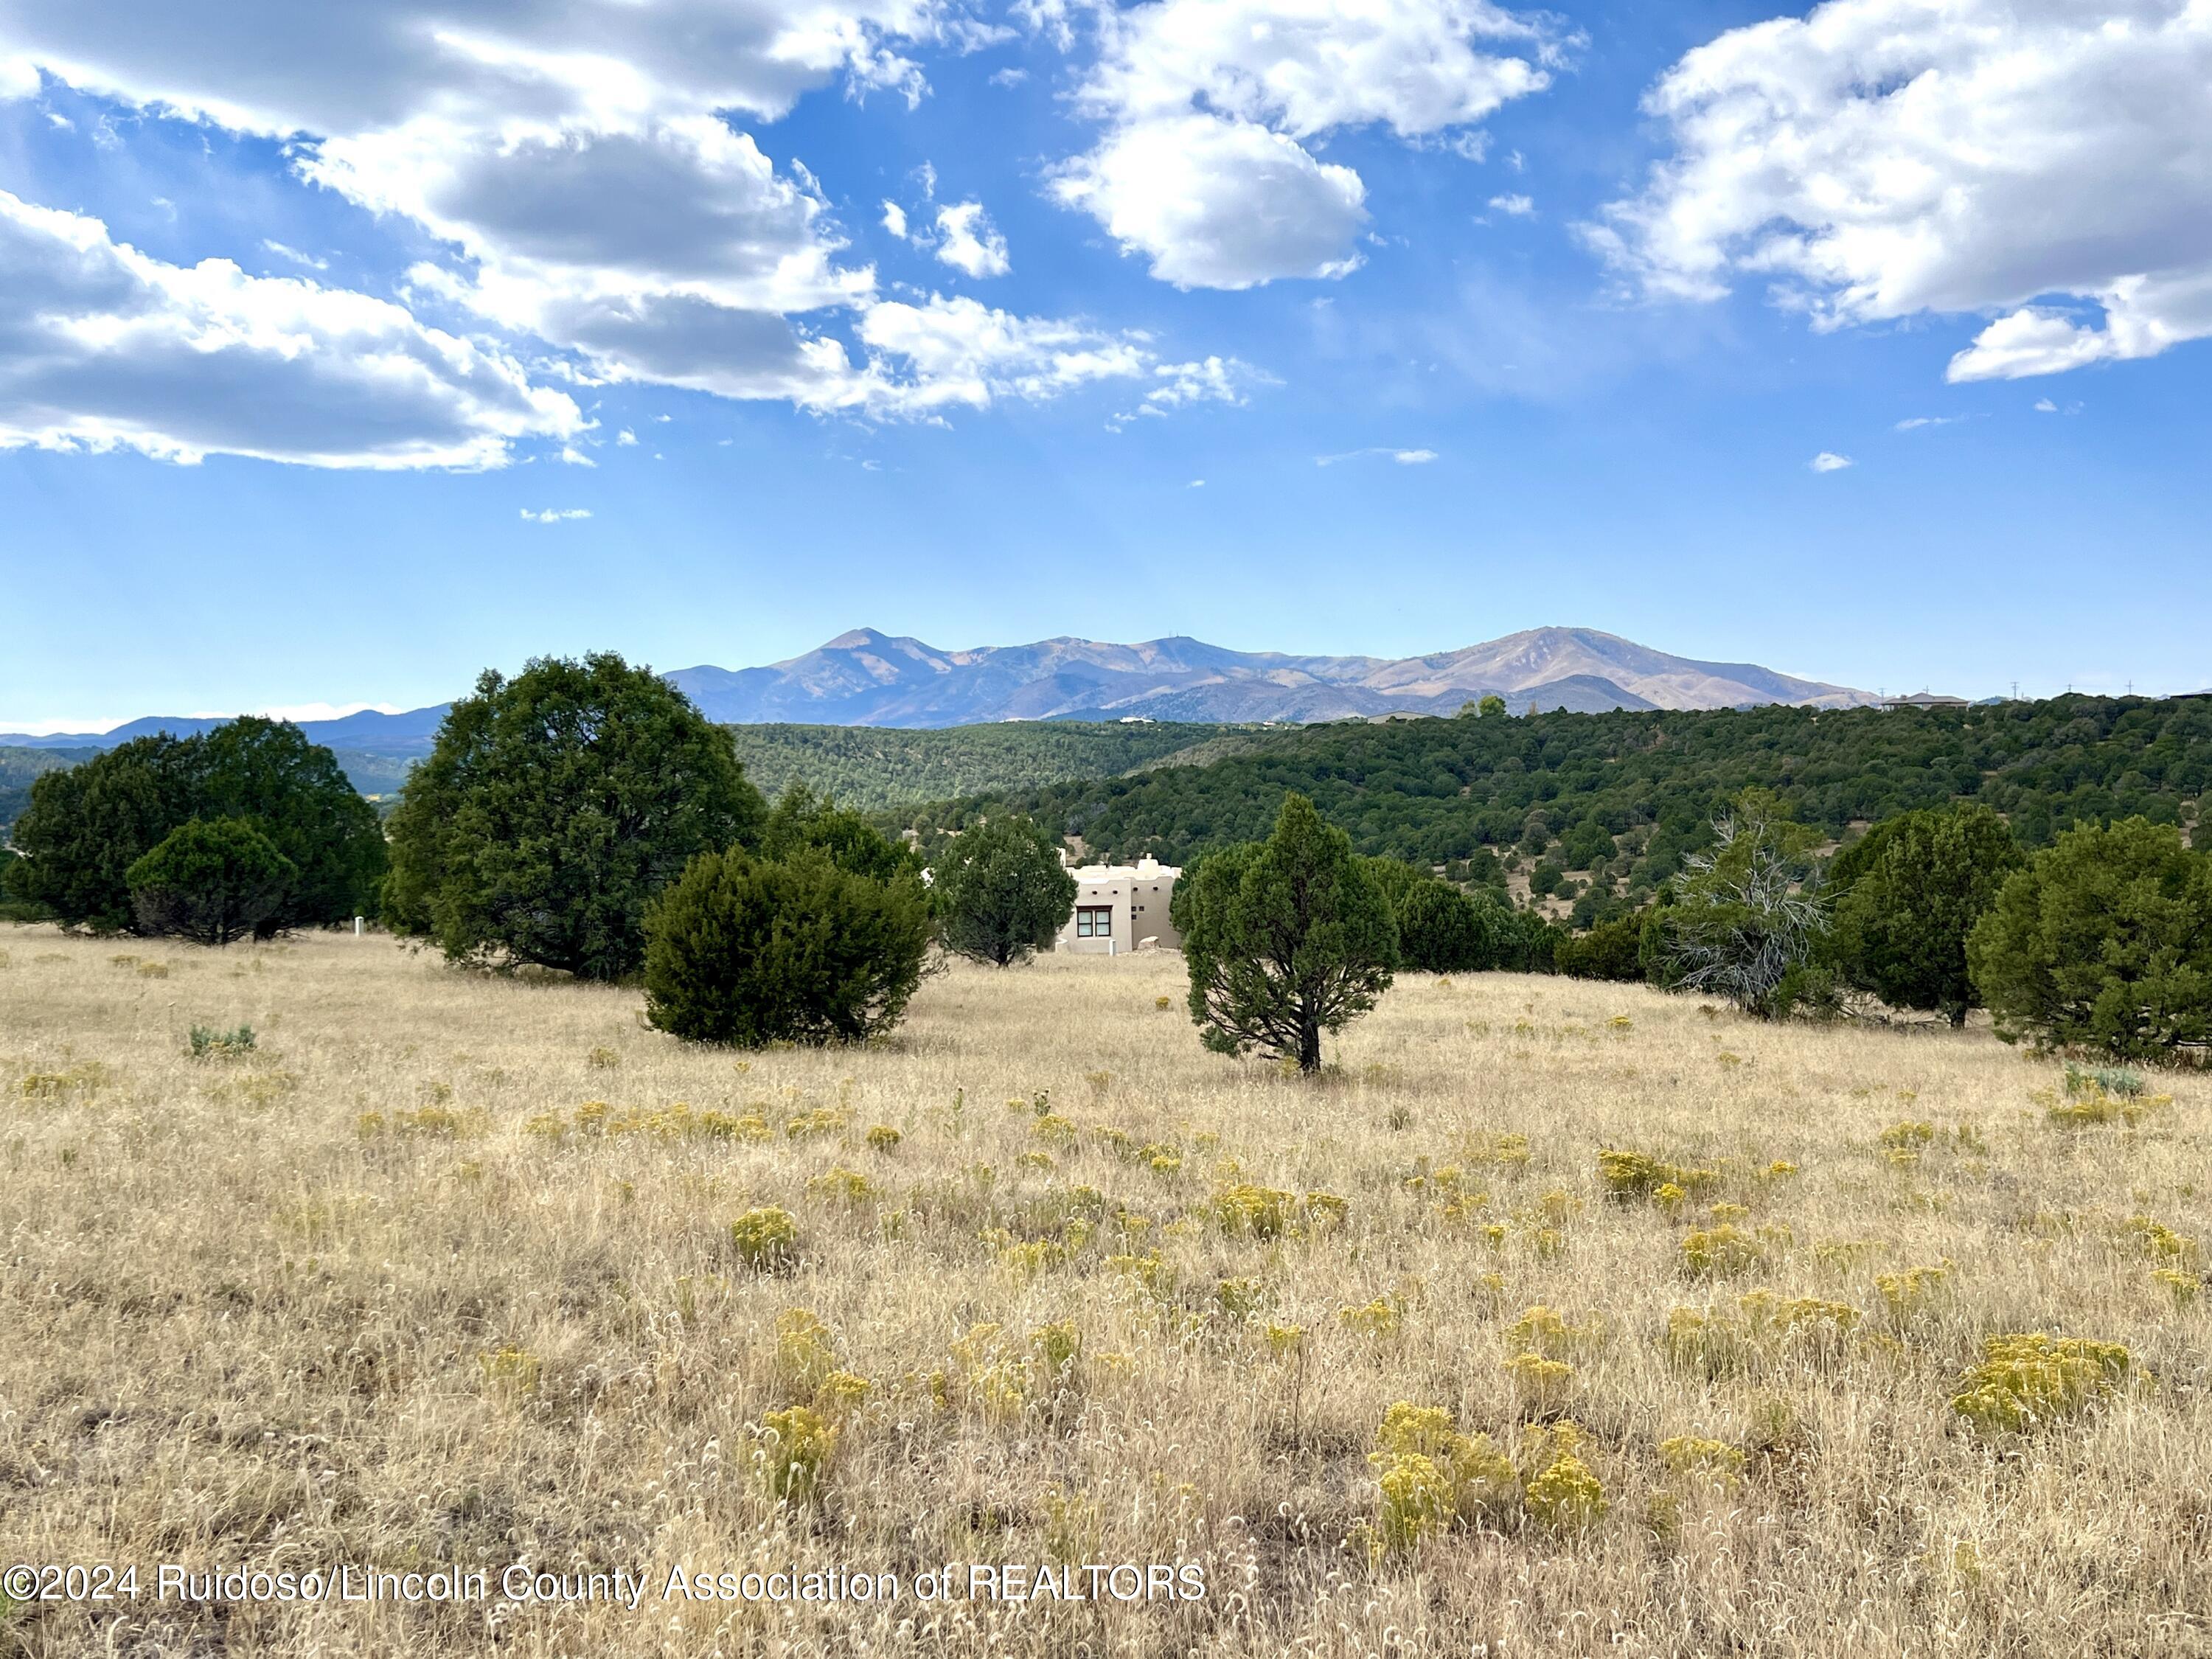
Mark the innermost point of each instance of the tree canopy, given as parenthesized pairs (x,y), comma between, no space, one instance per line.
(2104,941)
(1283,938)
(554,807)
(88,826)
(749,950)
(1904,897)
(1001,891)
(211,880)
(1438,792)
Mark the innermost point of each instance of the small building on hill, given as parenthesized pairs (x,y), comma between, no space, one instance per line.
(1926,700)
(1121,908)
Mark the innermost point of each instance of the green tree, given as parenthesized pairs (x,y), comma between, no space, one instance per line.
(2104,941)
(1397,878)
(211,880)
(750,950)
(1285,939)
(1490,706)
(87,826)
(1528,942)
(554,807)
(1001,891)
(1612,950)
(1441,930)
(295,792)
(1746,914)
(1905,896)
(802,818)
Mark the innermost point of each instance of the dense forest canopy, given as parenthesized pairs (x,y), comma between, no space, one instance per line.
(873,768)
(1637,791)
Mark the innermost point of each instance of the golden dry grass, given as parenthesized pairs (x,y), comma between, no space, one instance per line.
(239,1327)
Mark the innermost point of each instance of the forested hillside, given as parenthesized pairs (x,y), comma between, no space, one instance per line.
(875,769)
(1634,791)
(18,767)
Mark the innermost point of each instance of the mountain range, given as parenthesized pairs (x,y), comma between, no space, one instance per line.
(868,678)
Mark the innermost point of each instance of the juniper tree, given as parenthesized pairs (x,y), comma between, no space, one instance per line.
(1285,939)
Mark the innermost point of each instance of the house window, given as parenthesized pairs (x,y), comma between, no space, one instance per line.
(1094,921)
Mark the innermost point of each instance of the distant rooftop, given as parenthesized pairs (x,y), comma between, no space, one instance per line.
(1926,700)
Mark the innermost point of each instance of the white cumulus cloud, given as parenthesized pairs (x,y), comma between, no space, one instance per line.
(102,347)
(967,240)
(1515,207)
(2048,162)
(577,164)
(556,514)
(1828,461)
(1212,109)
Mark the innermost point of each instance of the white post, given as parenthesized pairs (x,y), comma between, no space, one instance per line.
(356,926)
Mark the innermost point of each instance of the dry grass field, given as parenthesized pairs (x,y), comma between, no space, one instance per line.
(391,1290)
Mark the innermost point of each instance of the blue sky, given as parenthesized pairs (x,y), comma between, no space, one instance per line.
(1292,324)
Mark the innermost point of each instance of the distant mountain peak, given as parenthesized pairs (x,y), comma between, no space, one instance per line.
(868,678)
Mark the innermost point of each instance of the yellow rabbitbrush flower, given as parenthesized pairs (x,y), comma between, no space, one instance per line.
(822,1121)
(2097,1109)
(1255,1211)
(1430,1473)
(1769,1310)
(791,1452)
(2183,1286)
(1717,1252)
(2158,1241)
(839,1185)
(1547,1332)
(1714,1461)
(1563,1494)
(1627,1176)
(1914,1290)
(805,1349)
(430,1123)
(2027,1382)
(1380,1318)
(765,1239)
(1542,1384)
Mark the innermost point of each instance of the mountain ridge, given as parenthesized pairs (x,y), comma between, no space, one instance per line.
(866,677)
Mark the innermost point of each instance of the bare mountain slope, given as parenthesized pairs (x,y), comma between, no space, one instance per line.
(868,678)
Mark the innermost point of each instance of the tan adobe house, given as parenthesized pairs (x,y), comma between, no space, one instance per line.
(1120,908)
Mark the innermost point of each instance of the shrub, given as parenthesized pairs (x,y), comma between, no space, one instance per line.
(791,1450)
(767,1239)
(2025,1383)
(748,951)
(210,881)
(1430,1475)
(1697,1459)
(1001,891)
(1715,1252)
(2103,942)
(208,1042)
(554,807)
(1565,1496)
